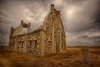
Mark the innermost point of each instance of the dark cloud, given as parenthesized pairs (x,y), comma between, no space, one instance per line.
(89,37)
(85,15)
(77,16)
(4,39)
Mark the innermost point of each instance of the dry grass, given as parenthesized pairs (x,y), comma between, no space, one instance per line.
(71,58)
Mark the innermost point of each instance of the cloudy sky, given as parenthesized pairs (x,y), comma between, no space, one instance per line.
(81,18)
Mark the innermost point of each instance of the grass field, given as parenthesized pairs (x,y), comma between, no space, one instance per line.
(71,58)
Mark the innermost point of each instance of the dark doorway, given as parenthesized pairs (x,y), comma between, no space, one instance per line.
(35,43)
(57,47)
(30,43)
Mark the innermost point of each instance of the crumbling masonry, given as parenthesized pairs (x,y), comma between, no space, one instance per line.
(48,38)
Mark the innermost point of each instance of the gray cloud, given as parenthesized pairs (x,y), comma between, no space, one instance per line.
(89,37)
(4,39)
(84,16)
(77,16)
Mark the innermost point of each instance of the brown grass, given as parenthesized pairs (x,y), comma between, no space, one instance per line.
(71,58)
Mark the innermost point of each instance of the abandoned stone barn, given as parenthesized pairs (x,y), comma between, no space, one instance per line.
(48,38)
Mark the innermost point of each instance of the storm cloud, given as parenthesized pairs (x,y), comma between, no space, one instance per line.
(81,18)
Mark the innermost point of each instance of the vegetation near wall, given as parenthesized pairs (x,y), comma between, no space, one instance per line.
(71,58)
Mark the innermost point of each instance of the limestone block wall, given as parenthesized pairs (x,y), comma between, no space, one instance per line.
(18,30)
(55,38)
(33,43)
(12,42)
(48,38)
(27,43)
(29,29)
(48,34)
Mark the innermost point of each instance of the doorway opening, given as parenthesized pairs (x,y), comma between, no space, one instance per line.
(57,47)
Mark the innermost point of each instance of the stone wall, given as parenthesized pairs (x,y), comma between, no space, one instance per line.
(27,43)
(55,38)
(48,38)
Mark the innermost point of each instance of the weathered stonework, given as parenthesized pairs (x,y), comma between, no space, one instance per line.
(48,38)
